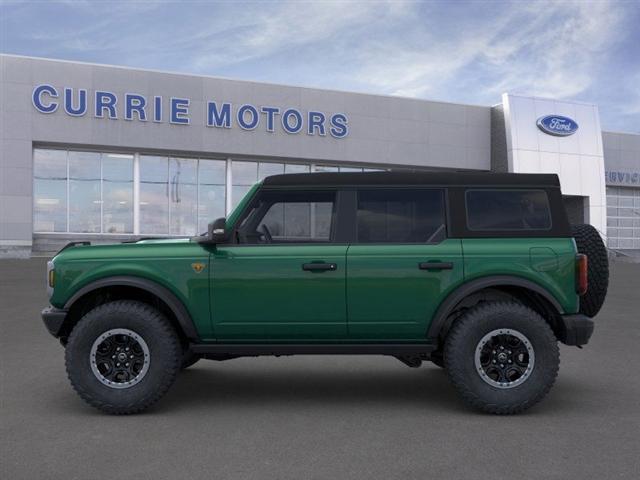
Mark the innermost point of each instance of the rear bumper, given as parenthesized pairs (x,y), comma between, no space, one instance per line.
(53,319)
(576,330)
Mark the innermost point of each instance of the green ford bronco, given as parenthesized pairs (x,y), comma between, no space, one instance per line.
(479,273)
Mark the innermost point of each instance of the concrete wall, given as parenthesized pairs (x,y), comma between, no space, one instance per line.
(382,130)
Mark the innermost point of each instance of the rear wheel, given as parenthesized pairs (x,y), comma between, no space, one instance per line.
(122,356)
(502,357)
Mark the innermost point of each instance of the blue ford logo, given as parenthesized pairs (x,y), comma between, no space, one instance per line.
(557,125)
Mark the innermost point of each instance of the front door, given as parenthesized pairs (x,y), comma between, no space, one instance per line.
(401,264)
(285,278)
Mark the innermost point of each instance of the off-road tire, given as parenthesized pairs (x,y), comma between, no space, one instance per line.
(189,358)
(590,243)
(463,339)
(165,354)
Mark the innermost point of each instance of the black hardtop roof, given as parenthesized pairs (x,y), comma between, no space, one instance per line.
(414,178)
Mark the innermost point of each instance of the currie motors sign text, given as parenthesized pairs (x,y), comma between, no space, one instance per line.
(47,99)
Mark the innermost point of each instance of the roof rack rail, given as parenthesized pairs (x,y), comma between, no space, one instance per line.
(73,244)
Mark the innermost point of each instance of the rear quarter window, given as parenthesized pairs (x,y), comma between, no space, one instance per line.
(507,210)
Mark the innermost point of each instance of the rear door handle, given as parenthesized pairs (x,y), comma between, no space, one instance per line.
(319,267)
(435,265)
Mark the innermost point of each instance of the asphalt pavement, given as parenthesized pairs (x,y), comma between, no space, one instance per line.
(317,417)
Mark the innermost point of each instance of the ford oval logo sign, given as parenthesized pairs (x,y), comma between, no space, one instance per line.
(557,125)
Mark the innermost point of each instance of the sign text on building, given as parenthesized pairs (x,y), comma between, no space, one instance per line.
(47,99)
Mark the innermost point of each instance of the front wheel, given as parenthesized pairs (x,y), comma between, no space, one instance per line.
(123,356)
(502,357)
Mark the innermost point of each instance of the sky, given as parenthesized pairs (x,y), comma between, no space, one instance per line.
(456,51)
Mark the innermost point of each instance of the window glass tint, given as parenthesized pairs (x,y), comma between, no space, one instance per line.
(154,194)
(289,217)
(401,216)
(117,193)
(508,210)
(183,196)
(85,203)
(212,191)
(49,190)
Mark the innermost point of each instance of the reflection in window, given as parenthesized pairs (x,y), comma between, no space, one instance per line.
(117,193)
(326,168)
(154,195)
(90,192)
(507,210)
(244,175)
(183,196)
(85,204)
(294,168)
(268,169)
(401,216)
(49,190)
(291,217)
(212,199)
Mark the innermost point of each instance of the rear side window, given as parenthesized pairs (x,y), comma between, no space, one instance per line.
(516,209)
(401,216)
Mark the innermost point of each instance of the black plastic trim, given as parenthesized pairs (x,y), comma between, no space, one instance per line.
(250,350)
(53,319)
(177,307)
(440,318)
(576,330)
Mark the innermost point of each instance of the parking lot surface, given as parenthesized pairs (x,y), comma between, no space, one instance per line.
(317,417)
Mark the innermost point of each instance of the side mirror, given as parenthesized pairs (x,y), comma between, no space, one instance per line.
(217,231)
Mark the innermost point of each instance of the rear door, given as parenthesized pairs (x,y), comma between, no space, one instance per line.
(401,264)
(285,278)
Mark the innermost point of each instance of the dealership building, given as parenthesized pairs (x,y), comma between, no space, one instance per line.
(104,153)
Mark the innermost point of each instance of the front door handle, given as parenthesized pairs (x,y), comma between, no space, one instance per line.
(319,267)
(435,265)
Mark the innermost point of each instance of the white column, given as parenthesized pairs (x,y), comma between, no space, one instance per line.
(136,194)
(228,189)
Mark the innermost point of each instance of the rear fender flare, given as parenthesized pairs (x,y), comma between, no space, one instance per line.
(446,307)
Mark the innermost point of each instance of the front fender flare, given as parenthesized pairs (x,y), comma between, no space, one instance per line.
(174,303)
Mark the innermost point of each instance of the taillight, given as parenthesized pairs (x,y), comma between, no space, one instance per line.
(582,279)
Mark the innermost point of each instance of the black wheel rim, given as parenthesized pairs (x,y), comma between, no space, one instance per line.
(120,358)
(504,358)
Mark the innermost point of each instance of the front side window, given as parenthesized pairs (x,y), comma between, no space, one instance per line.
(289,217)
(401,216)
(510,210)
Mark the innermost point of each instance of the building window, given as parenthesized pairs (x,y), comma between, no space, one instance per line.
(183,198)
(50,191)
(212,179)
(93,193)
(117,193)
(154,195)
(244,175)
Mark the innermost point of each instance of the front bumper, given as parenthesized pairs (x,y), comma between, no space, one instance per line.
(576,330)
(53,319)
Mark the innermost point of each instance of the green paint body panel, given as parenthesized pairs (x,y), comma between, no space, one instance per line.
(168,263)
(548,262)
(262,292)
(389,297)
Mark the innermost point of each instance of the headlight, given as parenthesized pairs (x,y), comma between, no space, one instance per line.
(51,278)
